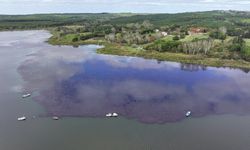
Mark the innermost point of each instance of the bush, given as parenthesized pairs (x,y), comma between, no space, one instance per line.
(86,36)
(163,46)
(182,36)
(75,39)
(238,44)
(246,53)
(176,38)
(236,47)
(217,35)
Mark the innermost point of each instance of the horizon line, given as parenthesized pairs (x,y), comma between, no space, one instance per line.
(61,13)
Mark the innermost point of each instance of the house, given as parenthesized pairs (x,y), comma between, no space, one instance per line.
(196,31)
(164,33)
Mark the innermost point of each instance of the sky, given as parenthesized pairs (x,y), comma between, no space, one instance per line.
(135,6)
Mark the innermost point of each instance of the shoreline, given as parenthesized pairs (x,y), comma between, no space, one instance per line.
(121,50)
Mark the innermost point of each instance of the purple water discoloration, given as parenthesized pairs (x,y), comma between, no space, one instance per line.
(78,82)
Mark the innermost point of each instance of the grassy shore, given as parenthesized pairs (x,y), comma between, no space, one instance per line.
(55,41)
(116,49)
(121,50)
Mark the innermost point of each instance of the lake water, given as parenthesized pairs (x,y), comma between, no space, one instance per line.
(151,98)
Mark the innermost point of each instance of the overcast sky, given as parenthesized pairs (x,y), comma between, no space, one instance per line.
(140,6)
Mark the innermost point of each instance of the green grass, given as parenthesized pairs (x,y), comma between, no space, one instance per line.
(247,49)
(247,42)
(116,49)
(168,38)
(98,41)
(245,20)
(190,38)
(67,39)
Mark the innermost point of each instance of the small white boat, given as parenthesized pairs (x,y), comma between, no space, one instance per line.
(55,118)
(109,115)
(21,118)
(188,114)
(114,115)
(26,95)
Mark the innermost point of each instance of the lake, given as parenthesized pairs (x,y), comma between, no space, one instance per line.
(150,96)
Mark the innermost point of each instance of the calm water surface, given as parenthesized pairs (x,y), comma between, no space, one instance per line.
(151,97)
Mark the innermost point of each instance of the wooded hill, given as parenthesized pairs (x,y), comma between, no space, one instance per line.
(209,19)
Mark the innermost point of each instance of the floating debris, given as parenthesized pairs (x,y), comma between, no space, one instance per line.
(21,118)
(188,114)
(26,95)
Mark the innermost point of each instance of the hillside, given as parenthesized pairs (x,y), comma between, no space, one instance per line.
(208,19)
(36,21)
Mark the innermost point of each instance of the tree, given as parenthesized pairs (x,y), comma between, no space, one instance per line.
(110,37)
(197,47)
(176,38)
(238,44)
(217,35)
(146,25)
(75,39)
(182,36)
(223,30)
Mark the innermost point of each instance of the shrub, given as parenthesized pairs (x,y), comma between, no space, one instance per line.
(75,39)
(217,35)
(86,36)
(163,46)
(176,38)
(238,44)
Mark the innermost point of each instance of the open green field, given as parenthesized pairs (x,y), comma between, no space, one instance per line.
(190,38)
(245,20)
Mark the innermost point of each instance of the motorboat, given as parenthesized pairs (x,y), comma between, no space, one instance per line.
(188,114)
(55,118)
(114,115)
(109,115)
(26,95)
(21,118)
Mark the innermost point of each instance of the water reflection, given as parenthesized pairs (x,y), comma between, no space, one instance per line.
(78,82)
(192,67)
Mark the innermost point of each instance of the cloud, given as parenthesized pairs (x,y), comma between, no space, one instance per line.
(148,6)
